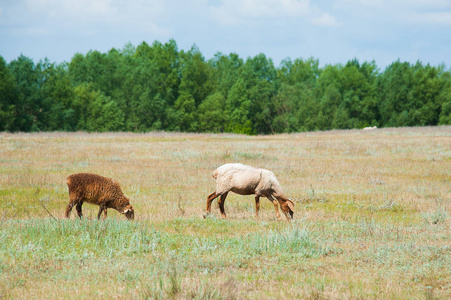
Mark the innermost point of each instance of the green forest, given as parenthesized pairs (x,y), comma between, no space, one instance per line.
(161,88)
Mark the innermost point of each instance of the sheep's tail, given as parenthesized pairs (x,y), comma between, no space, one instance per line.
(69,183)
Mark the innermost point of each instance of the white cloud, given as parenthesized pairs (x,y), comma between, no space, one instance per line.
(72,8)
(397,3)
(367,29)
(441,18)
(230,12)
(401,11)
(142,14)
(262,8)
(326,20)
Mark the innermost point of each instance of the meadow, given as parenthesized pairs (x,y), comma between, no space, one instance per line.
(372,217)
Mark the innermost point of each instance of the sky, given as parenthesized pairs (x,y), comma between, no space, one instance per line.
(333,32)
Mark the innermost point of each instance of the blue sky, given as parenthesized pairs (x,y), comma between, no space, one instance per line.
(331,31)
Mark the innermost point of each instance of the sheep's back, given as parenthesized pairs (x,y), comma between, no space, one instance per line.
(92,187)
(269,184)
(232,167)
(238,179)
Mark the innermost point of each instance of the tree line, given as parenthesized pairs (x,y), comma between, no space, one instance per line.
(159,87)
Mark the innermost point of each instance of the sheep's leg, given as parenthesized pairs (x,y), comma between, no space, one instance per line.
(104,209)
(69,209)
(73,199)
(210,198)
(276,206)
(78,207)
(101,209)
(221,204)
(257,206)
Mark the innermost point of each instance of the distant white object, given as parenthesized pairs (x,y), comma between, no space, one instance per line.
(370,128)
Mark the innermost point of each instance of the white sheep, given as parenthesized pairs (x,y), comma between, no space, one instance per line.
(246,180)
(370,128)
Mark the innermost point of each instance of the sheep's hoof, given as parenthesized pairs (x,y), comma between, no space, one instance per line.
(206,214)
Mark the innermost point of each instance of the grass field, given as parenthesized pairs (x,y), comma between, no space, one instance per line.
(372,217)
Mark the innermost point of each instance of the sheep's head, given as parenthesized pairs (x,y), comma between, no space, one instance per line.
(129,212)
(288,208)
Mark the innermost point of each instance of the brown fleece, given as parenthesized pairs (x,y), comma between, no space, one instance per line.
(99,190)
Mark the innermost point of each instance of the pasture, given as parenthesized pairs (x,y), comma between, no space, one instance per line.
(372,217)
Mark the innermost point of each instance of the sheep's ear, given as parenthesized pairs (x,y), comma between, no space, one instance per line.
(290,204)
(126,211)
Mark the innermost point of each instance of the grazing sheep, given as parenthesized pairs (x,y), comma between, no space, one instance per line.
(98,190)
(246,180)
(370,128)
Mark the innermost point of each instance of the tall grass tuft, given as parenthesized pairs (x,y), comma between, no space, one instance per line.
(292,240)
(68,239)
(438,216)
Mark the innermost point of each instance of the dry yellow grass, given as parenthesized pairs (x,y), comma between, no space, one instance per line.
(378,200)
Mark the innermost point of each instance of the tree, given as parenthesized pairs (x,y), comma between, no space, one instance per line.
(359,91)
(95,111)
(194,87)
(212,117)
(28,101)
(165,59)
(104,115)
(444,98)
(185,107)
(287,103)
(158,87)
(445,115)
(226,71)
(259,76)
(328,96)
(237,108)
(8,94)
(299,71)
(57,94)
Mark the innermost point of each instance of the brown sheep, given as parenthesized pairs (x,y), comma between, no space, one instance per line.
(247,180)
(96,189)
